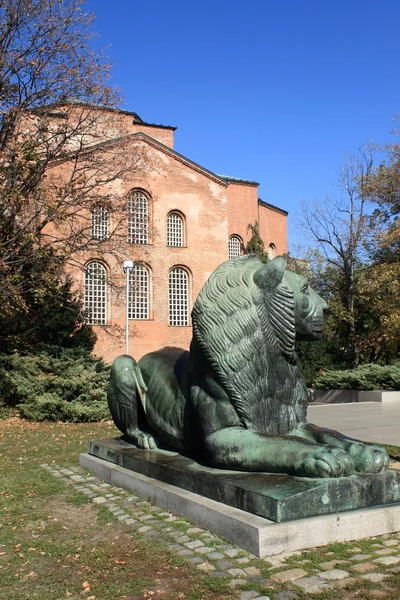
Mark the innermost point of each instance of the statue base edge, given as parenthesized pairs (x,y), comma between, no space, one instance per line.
(255,534)
(277,497)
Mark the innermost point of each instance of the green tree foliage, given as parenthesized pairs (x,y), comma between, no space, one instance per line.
(63,385)
(329,353)
(255,245)
(384,190)
(376,314)
(48,311)
(52,83)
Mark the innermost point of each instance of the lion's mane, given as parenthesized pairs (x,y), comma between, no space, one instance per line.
(246,336)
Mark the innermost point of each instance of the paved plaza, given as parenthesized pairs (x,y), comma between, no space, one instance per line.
(369,421)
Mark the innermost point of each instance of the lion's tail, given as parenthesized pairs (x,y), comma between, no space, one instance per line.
(123,395)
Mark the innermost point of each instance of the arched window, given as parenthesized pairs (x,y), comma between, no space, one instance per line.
(138,218)
(139,292)
(234,246)
(95,294)
(178,297)
(271,251)
(100,223)
(174,230)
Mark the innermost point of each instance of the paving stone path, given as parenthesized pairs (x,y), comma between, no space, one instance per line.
(219,559)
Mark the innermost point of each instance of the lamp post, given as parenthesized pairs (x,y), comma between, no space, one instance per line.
(128,266)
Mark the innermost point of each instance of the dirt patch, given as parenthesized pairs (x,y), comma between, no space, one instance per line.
(73,516)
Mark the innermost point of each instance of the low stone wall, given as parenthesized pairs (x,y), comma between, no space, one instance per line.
(346,396)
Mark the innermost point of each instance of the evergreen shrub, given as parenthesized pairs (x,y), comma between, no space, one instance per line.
(55,385)
(366,377)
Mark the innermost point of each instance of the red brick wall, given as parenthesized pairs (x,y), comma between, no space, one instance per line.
(244,209)
(120,124)
(165,136)
(172,186)
(212,210)
(273,229)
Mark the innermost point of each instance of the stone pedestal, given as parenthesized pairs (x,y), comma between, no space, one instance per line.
(275,497)
(255,534)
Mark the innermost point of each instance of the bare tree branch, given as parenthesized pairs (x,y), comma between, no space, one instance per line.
(340,228)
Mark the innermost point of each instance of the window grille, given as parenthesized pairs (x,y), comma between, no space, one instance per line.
(138,304)
(99,223)
(95,294)
(174,230)
(234,246)
(138,218)
(178,297)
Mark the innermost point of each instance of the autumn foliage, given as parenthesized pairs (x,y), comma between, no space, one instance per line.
(54,164)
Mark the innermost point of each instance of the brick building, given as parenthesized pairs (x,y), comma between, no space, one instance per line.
(181,221)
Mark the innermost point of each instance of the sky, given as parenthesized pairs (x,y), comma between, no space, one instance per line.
(275,91)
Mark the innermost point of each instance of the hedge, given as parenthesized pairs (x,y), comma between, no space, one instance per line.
(60,385)
(366,377)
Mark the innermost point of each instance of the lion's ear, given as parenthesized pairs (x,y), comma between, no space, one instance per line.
(270,275)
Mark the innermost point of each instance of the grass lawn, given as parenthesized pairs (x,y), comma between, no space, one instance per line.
(54,544)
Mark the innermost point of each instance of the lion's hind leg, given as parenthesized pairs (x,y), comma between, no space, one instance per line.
(124,401)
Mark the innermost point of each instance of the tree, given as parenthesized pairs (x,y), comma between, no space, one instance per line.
(328,353)
(57,154)
(341,230)
(384,190)
(256,245)
(379,313)
(52,315)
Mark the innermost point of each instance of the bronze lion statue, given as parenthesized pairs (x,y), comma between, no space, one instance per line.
(237,400)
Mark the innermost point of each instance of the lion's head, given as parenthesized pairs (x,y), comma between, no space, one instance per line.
(308,306)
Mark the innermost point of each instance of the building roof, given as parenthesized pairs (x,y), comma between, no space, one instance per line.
(138,119)
(272,206)
(180,157)
(114,109)
(155,143)
(143,124)
(129,112)
(107,108)
(238,180)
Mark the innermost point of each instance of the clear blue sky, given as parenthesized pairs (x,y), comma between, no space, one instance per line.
(274,91)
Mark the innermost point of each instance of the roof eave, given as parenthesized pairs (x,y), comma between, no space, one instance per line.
(272,207)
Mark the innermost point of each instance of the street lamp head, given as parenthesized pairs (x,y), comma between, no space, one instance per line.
(128,264)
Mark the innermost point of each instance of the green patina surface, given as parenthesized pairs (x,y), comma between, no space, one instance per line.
(277,497)
(237,399)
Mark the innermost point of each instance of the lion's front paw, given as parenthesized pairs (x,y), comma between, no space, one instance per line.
(142,439)
(146,441)
(327,461)
(368,458)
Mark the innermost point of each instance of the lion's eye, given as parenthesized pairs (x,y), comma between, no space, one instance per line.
(304,289)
